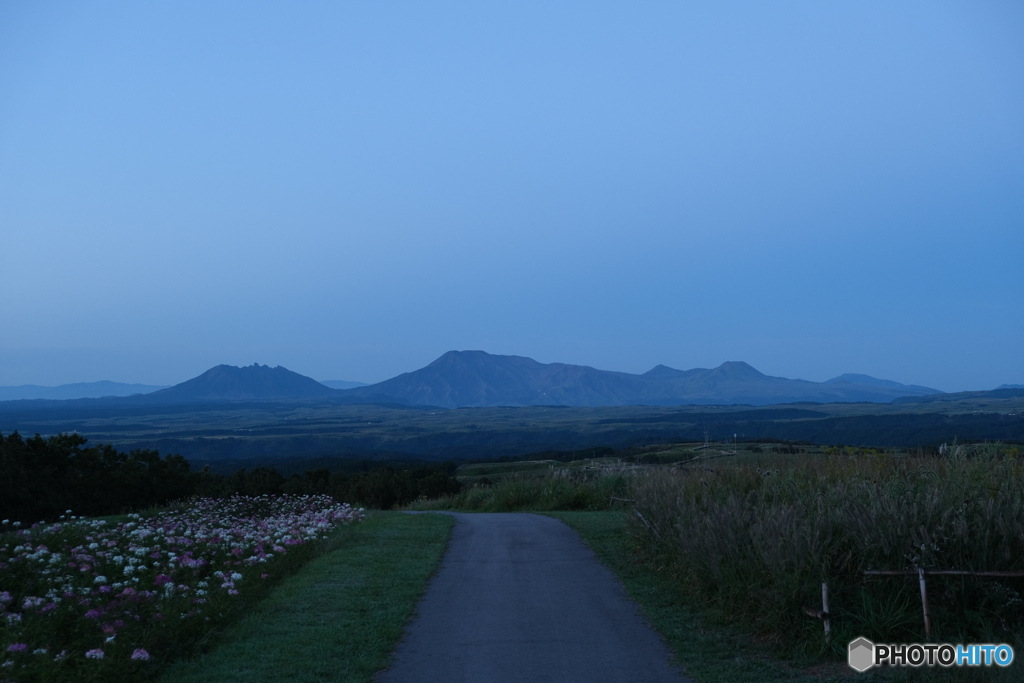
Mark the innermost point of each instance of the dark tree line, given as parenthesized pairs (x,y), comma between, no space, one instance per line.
(42,478)
(382,487)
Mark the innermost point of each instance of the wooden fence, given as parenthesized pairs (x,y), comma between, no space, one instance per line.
(823,613)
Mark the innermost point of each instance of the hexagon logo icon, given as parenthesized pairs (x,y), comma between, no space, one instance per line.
(861,655)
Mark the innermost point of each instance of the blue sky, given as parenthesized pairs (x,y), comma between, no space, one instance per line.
(350,190)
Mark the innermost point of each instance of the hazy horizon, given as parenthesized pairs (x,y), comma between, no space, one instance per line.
(351,191)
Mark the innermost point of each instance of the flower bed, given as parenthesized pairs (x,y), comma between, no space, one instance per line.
(83,599)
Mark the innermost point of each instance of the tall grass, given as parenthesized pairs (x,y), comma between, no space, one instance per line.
(756,542)
(560,490)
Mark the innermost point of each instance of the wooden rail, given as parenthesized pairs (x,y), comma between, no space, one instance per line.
(921,573)
(824,615)
(941,572)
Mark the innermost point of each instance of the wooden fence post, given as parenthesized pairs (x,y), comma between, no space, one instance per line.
(924,605)
(824,608)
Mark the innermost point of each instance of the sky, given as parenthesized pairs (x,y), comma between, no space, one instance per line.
(351,189)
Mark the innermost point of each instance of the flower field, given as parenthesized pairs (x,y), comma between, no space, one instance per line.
(87,600)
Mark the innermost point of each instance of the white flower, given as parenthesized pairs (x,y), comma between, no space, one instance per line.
(100,579)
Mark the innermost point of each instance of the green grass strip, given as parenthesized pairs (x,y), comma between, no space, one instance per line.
(340,617)
(708,652)
(711,651)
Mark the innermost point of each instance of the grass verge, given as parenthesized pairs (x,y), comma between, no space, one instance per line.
(708,652)
(339,618)
(560,490)
(711,651)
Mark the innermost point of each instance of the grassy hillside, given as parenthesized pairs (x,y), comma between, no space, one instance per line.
(266,432)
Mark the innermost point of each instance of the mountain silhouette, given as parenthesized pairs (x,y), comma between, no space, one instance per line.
(65,392)
(852,379)
(462,379)
(479,379)
(252,382)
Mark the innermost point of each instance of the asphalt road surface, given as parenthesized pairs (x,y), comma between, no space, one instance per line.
(519,597)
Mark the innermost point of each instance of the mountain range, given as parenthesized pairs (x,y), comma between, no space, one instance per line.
(478,379)
(64,392)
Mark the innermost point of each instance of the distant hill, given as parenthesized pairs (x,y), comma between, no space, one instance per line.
(479,379)
(1007,392)
(853,380)
(1010,386)
(65,392)
(341,384)
(252,382)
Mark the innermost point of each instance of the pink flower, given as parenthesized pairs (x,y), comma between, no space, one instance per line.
(161,579)
(141,655)
(94,654)
(17,647)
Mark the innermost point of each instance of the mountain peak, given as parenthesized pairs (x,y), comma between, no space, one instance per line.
(737,368)
(457,356)
(857,378)
(665,372)
(250,382)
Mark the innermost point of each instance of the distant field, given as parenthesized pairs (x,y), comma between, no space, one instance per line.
(267,433)
(764,454)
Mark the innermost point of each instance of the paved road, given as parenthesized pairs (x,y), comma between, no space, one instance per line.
(520,598)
